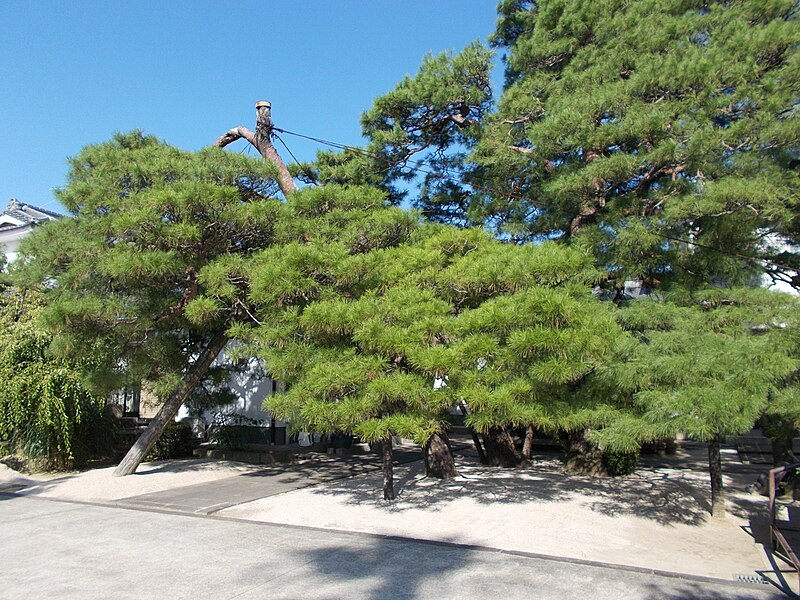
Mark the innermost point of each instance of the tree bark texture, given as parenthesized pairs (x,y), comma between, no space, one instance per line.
(388,469)
(439,461)
(527,447)
(150,436)
(583,457)
(715,471)
(500,450)
(261,140)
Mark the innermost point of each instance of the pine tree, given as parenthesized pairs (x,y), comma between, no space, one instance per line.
(660,136)
(707,365)
(418,132)
(121,277)
(664,135)
(363,311)
(311,290)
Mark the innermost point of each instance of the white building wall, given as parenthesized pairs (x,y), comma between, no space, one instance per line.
(251,386)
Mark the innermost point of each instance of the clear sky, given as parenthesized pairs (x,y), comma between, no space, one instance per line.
(73,73)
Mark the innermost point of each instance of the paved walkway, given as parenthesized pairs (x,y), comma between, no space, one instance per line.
(210,497)
(60,550)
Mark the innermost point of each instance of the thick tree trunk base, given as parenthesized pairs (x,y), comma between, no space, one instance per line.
(500,450)
(583,458)
(388,469)
(439,461)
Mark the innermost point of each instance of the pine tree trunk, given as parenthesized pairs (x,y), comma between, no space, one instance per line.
(439,461)
(478,447)
(500,451)
(715,470)
(475,439)
(150,436)
(583,457)
(527,447)
(388,470)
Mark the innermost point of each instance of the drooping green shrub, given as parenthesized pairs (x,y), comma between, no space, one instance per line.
(45,411)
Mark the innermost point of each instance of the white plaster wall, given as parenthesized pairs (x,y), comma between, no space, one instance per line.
(9,241)
(251,385)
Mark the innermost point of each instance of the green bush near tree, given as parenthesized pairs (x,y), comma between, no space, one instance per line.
(47,414)
(175,442)
(621,463)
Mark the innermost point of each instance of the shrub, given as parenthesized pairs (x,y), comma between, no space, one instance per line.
(230,430)
(45,411)
(175,442)
(620,463)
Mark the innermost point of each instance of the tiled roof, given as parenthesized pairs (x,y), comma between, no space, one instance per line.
(28,214)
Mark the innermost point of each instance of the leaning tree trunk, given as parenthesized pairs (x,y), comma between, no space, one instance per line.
(583,457)
(715,470)
(150,436)
(439,461)
(388,469)
(262,141)
(478,447)
(500,450)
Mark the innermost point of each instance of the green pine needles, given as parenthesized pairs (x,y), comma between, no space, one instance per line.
(361,331)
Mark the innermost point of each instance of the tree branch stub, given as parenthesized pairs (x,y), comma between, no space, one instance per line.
(261,140)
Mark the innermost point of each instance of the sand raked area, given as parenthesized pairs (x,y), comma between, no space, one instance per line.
(656,518)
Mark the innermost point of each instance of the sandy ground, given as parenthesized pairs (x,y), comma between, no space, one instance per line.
(656,518)
(99,485)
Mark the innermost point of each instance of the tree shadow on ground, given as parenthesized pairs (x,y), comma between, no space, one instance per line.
(698,592)
(378,568)
(667,491)
(385,568)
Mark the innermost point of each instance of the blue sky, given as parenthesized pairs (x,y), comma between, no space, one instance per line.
(73,73)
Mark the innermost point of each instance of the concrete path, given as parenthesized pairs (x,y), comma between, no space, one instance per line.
(213,496)
(61,550)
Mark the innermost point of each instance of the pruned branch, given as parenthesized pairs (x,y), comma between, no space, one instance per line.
(234,134)
(261,140)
